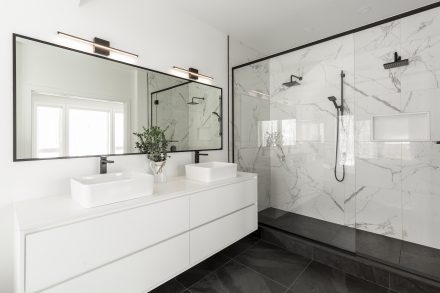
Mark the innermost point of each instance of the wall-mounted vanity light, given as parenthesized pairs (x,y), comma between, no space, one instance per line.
(192,73)
(100,46)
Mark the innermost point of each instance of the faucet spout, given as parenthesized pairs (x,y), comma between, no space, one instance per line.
(103,161)
(197,155)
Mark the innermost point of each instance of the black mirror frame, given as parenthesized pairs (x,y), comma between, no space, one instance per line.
(14,87)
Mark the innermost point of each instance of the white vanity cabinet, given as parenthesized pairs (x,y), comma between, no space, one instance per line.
(132,246)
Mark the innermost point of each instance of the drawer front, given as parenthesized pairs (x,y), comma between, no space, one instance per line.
(58,254)
(215,203)
(136,273)
(210,238)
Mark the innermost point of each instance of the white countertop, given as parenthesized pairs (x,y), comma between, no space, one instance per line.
(49,212)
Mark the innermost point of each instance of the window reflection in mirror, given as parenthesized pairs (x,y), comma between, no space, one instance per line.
(72,104)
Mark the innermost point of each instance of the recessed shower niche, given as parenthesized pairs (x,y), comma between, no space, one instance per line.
(401,127)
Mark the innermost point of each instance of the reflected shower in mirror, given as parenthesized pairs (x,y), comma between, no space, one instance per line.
(74,104)
(192,114)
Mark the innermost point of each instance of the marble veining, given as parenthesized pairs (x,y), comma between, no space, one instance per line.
(391,187)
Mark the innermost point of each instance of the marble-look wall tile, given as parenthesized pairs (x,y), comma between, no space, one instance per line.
(251,105)
(421,44)
(422,25)
(417,101)
(172,114)
(391,188)
(302,179)
(378,188)
(421,193)
(204,127)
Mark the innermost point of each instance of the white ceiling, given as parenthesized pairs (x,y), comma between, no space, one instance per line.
(271,26)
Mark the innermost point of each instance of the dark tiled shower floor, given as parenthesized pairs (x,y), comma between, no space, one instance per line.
(254,266)
(411,257)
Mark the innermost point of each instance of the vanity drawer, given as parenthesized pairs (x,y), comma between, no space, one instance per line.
(136,273)
(55,255)
(210,238)
(215,203)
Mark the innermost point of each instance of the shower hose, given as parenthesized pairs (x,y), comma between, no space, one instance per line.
(337,149)
(339,112)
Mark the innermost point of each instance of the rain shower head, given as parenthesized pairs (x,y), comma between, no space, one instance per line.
(293,82)
(193,102)
(398,62)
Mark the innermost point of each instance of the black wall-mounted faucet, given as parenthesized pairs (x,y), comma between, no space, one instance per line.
(103,164)
(197,155)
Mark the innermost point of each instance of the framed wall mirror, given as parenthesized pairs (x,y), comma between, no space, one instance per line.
(69,103)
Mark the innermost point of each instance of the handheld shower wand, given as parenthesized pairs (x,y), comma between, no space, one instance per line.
(340,112)
(333,100)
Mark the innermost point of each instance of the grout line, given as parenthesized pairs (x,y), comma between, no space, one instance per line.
(246,249)
(333,267)
(299,276)
(261,274)
(210,273)
(389,281)
(228,261)
(263,241)
(175,278)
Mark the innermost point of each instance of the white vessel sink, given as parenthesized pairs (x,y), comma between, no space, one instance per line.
(212,171)
(102,189)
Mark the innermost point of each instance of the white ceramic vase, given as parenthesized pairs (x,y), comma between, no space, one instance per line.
(159,172)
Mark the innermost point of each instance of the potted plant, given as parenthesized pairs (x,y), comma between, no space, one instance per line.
(153,143)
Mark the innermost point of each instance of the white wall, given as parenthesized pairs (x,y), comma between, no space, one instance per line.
(162,36)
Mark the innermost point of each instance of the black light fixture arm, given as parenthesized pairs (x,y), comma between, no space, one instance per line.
(101,46)
(193,73)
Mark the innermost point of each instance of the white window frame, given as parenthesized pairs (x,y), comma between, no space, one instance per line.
(35,150)
(67,103)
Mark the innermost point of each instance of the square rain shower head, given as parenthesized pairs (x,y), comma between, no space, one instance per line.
(396,64)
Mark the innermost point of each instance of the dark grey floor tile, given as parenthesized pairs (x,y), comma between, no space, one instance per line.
(172,286)
(240,246)
(236,278)
(403,284)
(288,242)
(353,267)
(319,278)
(199,271)
(274,262)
